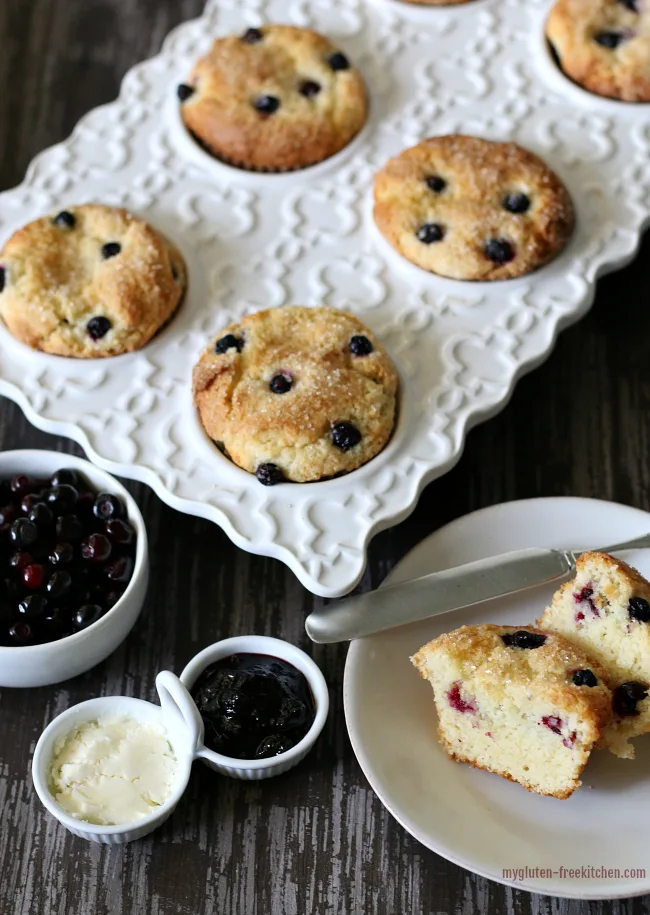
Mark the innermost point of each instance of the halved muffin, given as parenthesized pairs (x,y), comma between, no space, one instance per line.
(605,610)
(522,703)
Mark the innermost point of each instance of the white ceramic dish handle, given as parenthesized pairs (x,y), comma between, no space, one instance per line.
(179,713)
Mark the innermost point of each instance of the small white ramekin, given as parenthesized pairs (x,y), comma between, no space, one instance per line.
(177,715)
(52,662)
(254,769)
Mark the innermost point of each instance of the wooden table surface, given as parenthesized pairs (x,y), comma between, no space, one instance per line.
(316,840)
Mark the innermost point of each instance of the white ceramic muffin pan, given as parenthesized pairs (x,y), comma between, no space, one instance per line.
(183,724)
(254,241)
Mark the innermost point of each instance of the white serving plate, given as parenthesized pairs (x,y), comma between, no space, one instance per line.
(474,818)
(255,241)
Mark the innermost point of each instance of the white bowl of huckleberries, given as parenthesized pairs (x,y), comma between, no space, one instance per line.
(74,566)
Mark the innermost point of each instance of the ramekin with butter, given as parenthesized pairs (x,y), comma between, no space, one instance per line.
(113,770)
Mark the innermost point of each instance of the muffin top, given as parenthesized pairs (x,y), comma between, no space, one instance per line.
(89,281)
(604,45)
(297,393)
(472,209)
(501,660)
(276,98)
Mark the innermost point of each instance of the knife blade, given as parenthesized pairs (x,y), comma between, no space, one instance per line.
(442,592)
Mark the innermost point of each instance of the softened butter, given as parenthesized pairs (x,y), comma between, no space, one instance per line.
(112,770)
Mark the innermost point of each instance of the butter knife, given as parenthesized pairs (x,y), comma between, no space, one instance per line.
(442,592)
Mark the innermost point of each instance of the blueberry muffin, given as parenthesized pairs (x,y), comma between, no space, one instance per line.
(604,45)
(89,281)
(522,703)
(276,98)
(297,394)
(472,209)
(605,611)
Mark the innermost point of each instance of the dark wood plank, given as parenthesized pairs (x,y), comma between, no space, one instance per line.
(314,840)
